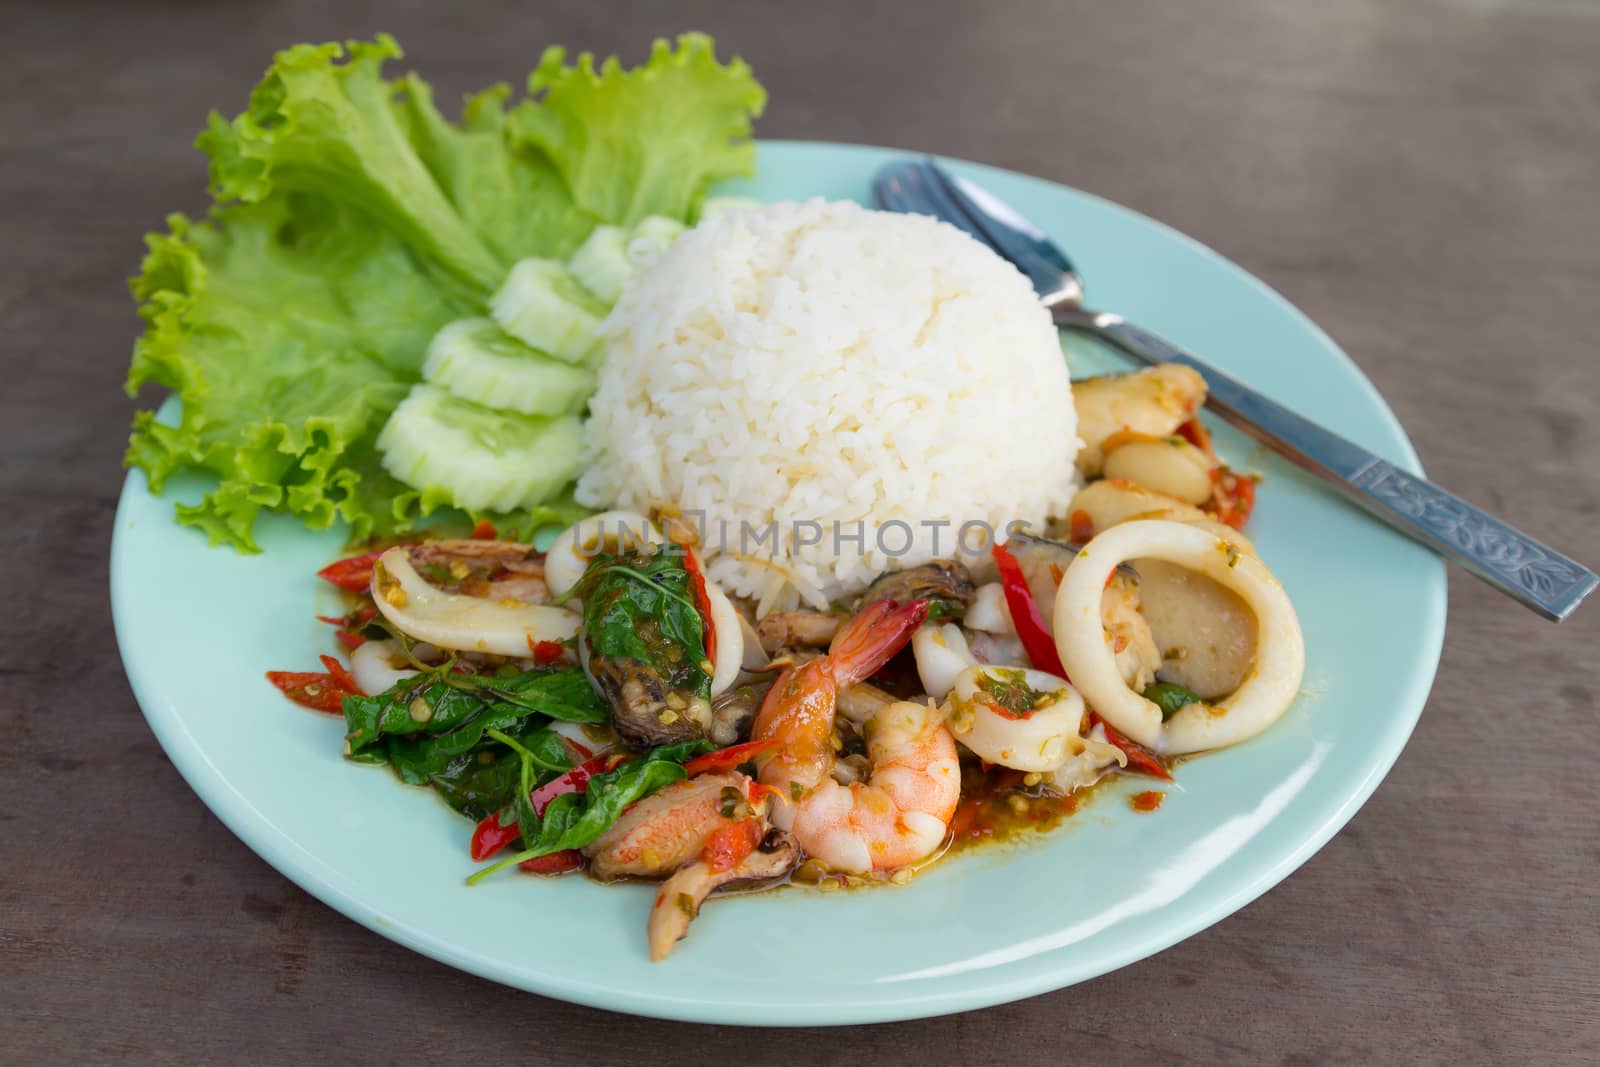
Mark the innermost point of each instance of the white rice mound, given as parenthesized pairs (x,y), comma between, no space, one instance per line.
(822,363)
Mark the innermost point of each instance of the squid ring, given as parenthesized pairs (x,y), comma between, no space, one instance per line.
(467,623)
(1269,686)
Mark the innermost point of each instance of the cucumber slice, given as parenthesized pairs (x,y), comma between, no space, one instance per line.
(541,305)
(481,459)
(476,360)
(650,238)
(601,263)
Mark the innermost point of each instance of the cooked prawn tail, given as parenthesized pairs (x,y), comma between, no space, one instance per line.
(872,637)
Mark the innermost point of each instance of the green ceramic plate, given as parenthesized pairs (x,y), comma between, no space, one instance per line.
(198,626)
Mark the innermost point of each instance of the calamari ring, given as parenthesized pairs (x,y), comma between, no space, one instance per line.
(1269,686)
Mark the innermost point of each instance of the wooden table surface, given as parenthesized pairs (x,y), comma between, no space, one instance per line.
(1422,178)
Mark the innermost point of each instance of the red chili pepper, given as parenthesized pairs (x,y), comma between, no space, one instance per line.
(555,863)
(545,652)
(310,689)
(702,600)
(1031,630)
(484,531)
(353,575)
(339,674)
(1139,757)
(349,640)
(728,846)
(491,836)
(574,781)
(726,759)
(1234,498)
(1194,431)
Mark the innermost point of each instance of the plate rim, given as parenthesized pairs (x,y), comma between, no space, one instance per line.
(301,867)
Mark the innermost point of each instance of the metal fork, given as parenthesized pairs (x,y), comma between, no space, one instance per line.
(1530,572)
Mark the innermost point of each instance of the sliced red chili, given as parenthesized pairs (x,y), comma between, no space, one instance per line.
(341,675)
(1234,498)
(545,652)
(729,845)
(346,637)
(490,836)
(702,600)
(1194,431)
(555,863)
(574,781)
(1139,758)
(353,575)
(726,759)
(311,689)
(1025,616)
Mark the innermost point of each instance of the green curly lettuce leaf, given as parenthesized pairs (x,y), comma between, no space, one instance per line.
(353,221)
(511,195)
(290,330)
(315,125)
(648,141)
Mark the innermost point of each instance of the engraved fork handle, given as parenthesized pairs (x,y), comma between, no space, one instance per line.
(1525,569)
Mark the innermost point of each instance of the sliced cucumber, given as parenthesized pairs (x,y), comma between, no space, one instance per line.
(542,305)
(482,459)
(478,361)
(601,263)
(651,237)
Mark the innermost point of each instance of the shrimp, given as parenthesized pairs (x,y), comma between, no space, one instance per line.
(901,812)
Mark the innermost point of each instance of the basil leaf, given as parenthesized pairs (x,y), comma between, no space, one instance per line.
(440,703)
(485,779)
(1169,697)
(641,607)
(574,820)
(563,694)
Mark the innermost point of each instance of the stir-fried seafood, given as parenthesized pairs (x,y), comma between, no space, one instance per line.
(607,707)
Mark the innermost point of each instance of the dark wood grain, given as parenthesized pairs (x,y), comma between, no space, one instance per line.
(1421,177)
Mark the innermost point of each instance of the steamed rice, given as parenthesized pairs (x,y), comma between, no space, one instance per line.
(822,363)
